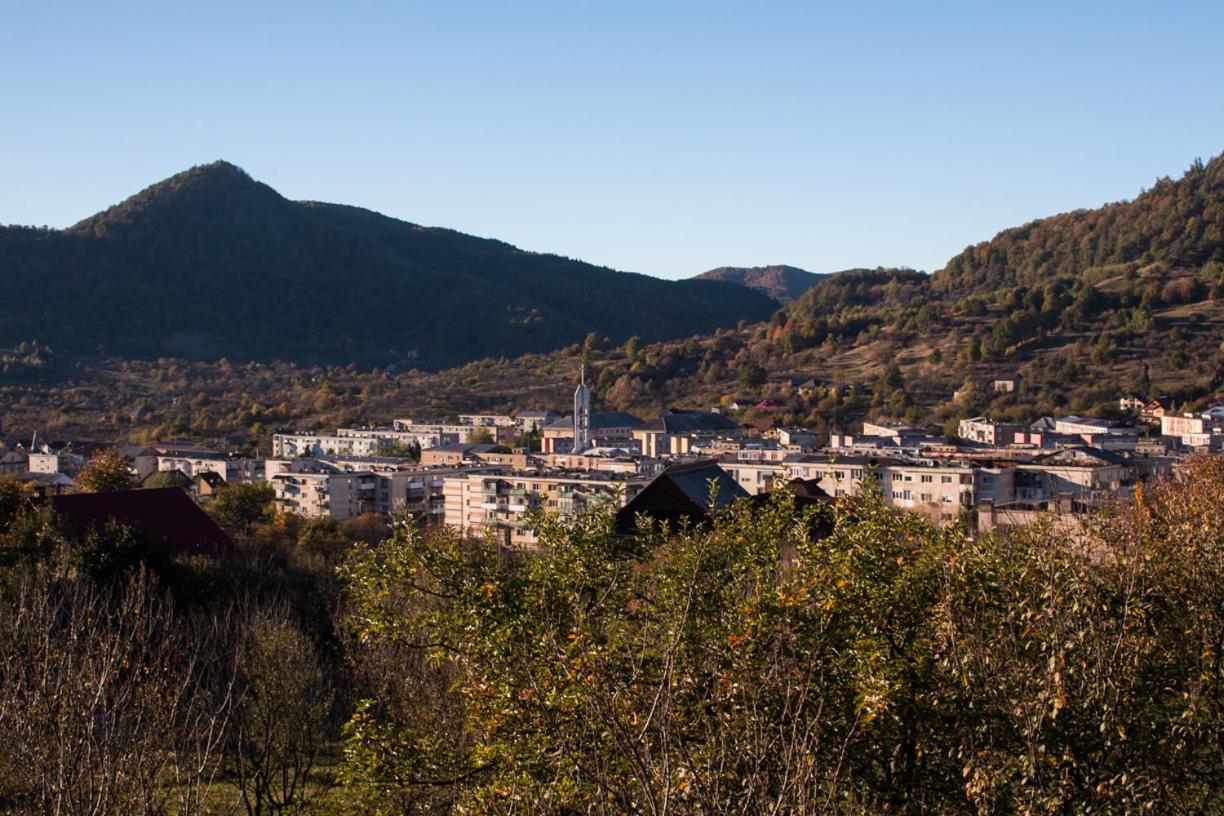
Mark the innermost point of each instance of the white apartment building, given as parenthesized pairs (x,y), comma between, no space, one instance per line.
(496,503)
(937,489)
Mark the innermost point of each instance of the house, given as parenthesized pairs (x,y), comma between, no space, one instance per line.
(1131,403)
(165,516)
(457,453)
(1154,409)
(809,387)
(681,495)
(12,463)
(1006,383)
(206,484)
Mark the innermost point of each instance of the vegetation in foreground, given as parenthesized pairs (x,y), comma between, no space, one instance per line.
(753,667)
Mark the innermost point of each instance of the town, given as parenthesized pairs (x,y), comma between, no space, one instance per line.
(485,474)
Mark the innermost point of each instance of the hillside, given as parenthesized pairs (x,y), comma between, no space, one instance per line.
(211,263)
(884,343)
(1176,224)
(782,283)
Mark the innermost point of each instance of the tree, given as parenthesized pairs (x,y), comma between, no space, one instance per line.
(479,436)
(238,507)
(279,721)
(846,658)
(752,375)
(106,470)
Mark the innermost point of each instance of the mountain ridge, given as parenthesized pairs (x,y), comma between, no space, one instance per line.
(211,262)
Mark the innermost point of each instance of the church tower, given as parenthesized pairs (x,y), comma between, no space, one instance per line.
(582,414)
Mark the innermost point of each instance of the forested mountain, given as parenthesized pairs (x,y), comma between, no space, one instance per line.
(782,283)
(1179,224)
(211,263)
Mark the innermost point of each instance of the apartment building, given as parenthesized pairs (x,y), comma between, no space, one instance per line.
(488,420)
(938,489)
(300,486)
(990,432)
(452,431)
(415,492)
(496,503)
(233,469)
(1083,473)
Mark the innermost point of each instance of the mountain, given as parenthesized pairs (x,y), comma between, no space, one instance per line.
(1177,224)
(782,283)
(212,263)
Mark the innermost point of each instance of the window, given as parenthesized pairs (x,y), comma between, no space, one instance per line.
(858,473)
(897,477)
(926,478)
(926,497)
(945,480)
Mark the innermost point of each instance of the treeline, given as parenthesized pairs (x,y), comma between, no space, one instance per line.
(841,659)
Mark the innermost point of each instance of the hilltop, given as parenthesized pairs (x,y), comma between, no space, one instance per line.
(212,263)
(782,283)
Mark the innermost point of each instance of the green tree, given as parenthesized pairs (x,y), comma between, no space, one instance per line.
(239,507)
(752,375)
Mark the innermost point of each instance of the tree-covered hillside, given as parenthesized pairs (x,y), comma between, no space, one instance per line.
(1179,224)
(211,263)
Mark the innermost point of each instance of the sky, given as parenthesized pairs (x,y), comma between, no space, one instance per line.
(657,137)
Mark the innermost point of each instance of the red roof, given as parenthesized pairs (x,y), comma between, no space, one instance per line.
(165,515)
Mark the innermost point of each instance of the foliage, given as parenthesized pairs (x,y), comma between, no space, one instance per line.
(892,666)
(106,470)
(239,507)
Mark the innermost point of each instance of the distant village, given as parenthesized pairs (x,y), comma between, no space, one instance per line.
(485,473)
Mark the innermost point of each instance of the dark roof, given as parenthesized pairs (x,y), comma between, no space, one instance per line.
(599,419)
(470,447)
(213,478)
(676,421)
(681,494)
(177,478)
(165,515)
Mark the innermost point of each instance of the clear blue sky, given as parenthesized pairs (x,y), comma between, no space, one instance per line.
(656,137)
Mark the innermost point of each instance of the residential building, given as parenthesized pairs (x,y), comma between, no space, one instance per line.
(497,503)
(990,432)
(301,486)
(675,432)
(1006,383)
